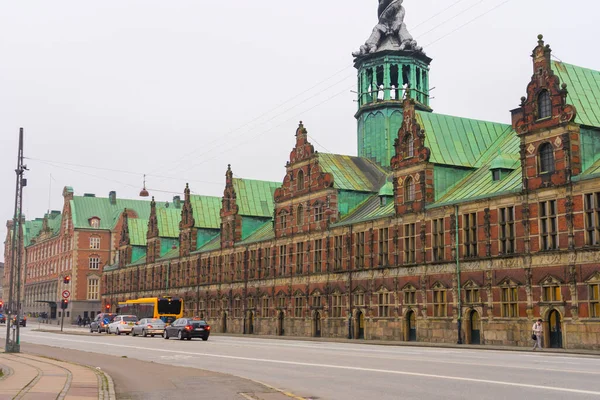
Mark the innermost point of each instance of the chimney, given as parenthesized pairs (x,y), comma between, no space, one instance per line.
(112,197)
(177,201)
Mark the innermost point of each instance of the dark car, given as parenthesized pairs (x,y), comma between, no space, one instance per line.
(187,328)
(22,321)
(100,323)
(2,319)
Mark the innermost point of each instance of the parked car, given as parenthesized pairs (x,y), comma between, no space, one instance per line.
(187,328)
(100,323)
(122,324)
(148,326)
(22,320)
(2,319)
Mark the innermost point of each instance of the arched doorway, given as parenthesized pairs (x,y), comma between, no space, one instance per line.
(411,324)
(224,323)
(317,323)
(475,327)
(360,325)
(555,330)
(250,323)
(280,330)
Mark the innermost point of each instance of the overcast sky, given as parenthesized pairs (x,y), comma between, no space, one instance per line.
(179,89)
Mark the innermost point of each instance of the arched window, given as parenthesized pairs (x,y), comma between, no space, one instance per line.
(546,158)
(409,189)
(544,105)
(300,215)
(300,178)
(409,145)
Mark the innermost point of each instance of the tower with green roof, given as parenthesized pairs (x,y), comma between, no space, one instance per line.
(390,66)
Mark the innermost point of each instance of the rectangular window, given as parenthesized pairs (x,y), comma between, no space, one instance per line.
(439,303)
(337,253)
(298,306)
(93,289)
(438,239)
(267,262)
(281,302)
(318,211)
(237,308)
(252,269)
(265,307)
(470,228)
(336,305)
(282,259)
(360,249)
(318,254)
(409,243)
(506,220)
(384,304)
(510,307)
(299,258)
(592,219)
(472,295)
(552,293)
(383,247)
(359,299)
(250,303)
(410,296)
(239,265)
(316,301)
(94,262)
(548,225)
(595,300)
(94,242)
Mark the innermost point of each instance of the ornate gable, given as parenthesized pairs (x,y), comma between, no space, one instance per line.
(231,222)
(413,175)
(125,252)
(187,232)
(294,211)
(550,280)
(153,249)
(532,114)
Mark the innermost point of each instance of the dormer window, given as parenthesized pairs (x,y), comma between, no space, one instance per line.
(300,178)
(409,146)
(409,189)
(544,105)
(95,222)
(546,158)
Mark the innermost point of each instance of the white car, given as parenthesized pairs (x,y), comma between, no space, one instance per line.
(122,324)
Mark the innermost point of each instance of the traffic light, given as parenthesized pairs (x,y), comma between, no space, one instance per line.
(67,279)
(64,304)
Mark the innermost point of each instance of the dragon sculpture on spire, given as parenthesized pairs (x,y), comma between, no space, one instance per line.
(391,32)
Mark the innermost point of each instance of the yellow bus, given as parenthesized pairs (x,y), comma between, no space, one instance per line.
(166,308)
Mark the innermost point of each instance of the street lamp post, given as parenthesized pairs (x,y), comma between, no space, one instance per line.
(14,295)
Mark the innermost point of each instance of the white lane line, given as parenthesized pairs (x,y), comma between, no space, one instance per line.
(348,368)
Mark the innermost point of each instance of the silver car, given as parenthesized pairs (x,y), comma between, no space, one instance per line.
(122,324)
(148,326)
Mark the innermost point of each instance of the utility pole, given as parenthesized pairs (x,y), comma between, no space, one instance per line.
(13,345)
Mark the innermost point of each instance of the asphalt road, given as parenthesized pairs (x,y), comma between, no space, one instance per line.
(326,370)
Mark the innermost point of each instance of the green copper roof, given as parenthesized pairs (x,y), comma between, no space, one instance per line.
(83,208)
(374,208)
(214,244)
(353,173)
(255,198)
(387,189)
(459,141)
(168,222)
(583,86)
(264,232)
(480,183)
(593,169)
(31,229)
(138,231)
(505,161)
(207,211)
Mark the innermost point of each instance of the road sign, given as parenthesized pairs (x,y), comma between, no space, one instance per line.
(66,294)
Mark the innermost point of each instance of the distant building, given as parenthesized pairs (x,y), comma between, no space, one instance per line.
(65,252)
(2,282)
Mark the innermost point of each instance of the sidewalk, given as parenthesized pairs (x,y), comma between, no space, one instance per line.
(26,376)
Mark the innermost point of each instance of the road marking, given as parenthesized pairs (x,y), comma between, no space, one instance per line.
(349,368)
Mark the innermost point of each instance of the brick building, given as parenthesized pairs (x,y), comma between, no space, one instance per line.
(442,229)
(67,250)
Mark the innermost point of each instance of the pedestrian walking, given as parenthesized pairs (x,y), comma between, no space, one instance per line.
(79,320)
(537,331)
